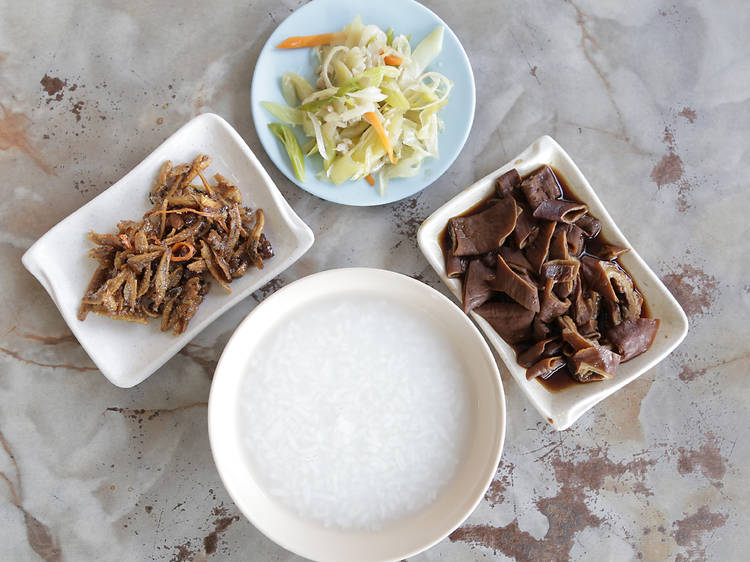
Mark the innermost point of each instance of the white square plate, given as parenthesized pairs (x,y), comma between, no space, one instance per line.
(127,353)
(561,409)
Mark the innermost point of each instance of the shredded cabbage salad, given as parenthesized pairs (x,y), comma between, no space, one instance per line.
(374,109)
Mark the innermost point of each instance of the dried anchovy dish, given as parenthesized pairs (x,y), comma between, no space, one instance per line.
(160,267)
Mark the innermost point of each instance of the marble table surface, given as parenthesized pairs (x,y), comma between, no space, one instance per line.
(651,98)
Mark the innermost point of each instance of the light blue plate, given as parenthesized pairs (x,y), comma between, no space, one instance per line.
(322,16)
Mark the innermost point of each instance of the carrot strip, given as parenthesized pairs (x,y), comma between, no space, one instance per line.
(178,246)
(370,179)
(393,60)
(308,40)
(373,119)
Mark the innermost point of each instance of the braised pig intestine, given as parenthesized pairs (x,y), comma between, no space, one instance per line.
(530,269)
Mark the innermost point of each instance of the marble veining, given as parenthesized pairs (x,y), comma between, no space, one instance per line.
(652,100)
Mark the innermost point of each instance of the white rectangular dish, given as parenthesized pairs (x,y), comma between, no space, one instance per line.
(561,409)
(128,353)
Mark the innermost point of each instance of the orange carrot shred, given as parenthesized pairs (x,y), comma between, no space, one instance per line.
(308,40)
(373,119)
(370,179)
(393,60)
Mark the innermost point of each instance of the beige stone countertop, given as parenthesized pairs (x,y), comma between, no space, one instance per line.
(652,100)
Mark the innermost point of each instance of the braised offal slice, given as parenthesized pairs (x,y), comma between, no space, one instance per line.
(608,279)
(526,227)
(455,266)
(515,259)
(634,336)
(560,211)
(476,287)
(561,270)
(610,252)
(538,251)
(574,239)
(508,185)
(559,252)
(597,274)
(509,319)
(551,306)
(544,368)
(540,186)
(593,364)
(520,288)
(572,337)
(485,231)
(543,348)
(590,225)
(587,360)
(585,308)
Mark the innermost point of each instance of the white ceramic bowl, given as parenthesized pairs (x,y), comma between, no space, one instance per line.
(405,537)
(563,408)
(127,353)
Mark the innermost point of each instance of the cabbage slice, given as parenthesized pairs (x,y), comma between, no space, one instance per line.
(284,112)
(423,55)
(294,87)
